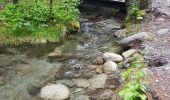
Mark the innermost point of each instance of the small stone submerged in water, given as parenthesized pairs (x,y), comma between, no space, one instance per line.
(55,53)
(55,92)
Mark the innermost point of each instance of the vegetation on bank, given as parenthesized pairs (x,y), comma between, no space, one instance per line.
(38,20)
(135,87)
(135,14)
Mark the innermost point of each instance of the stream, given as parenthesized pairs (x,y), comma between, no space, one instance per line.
(76,62)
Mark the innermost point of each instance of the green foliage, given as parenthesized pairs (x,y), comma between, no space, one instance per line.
(135,88)
(32,18)
(136,11)
(1,1)
(135,15)
(134,91)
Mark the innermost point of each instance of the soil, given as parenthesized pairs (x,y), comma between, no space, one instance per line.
(157,23)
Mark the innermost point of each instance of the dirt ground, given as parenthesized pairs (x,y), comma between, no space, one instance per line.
(157,23)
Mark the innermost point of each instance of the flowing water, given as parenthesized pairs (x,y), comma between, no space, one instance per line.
(25,69)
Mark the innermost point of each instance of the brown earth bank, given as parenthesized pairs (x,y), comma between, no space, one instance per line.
(157,22)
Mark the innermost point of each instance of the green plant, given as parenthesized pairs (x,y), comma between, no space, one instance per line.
(134,91)
(136,11)
(135,88)
(135,15)
(1,1)
(37,19)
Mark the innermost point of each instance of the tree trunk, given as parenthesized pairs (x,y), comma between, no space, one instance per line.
(15,1)
(51,6)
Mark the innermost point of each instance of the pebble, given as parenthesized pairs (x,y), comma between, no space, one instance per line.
(110,67)
(112,57)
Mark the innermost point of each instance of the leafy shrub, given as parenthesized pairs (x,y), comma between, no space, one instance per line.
(135,15)
(31,18)
(136,11)
(135,88)
(1,1)
(134,91)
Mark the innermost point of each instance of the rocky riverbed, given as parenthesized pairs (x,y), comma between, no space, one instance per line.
(88,64)
(83,67)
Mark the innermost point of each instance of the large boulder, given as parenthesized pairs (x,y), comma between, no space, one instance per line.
(55,92)
(138,36)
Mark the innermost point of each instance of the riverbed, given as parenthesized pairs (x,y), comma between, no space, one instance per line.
(25,69)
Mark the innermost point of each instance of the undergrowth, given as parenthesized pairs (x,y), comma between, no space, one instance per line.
(135,87)
(136,13)
(32,20)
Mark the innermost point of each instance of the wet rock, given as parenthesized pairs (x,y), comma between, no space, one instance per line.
(82,97)
(108,25)
(110,67)
(66,82)
(79,91)
(112,83)
(129,53)
(102,94)
(2,70)
(55,92)
(112,57)
(98,81)
(79,48)
(104,49)
(81,83)
(78,94)
(23,69)
(99,69)
(2,81)
(55,53)
(120,33)
(98,60)
(92,66)
(138,36)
